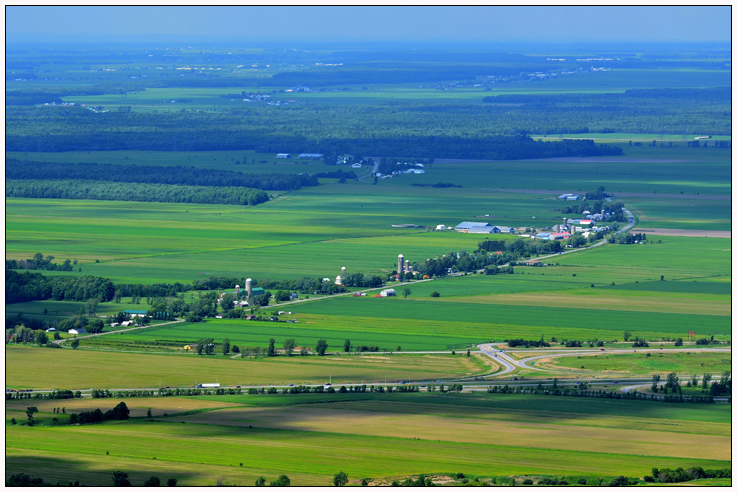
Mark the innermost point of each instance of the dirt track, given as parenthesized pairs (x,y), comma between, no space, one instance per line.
(684,232)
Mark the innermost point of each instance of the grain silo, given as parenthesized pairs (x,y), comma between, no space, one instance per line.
(249,287)
(400,263)
(237,291)
(406,266)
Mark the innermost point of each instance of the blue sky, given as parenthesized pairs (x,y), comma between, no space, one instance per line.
(382,23)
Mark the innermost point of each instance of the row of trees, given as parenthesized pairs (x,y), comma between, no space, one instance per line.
(120,412)
(16,169)
(39,262)
(137,192)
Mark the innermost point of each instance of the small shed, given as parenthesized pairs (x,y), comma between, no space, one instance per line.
(388,293)
(283,156)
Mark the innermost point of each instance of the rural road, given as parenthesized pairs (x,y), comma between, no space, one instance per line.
(510,364)
(376,168)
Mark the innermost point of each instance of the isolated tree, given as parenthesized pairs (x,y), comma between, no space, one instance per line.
(271,352)
(282,481)
(29,412)
(347,346)
(260,482)
(694,380)
(654,386)
(340,479)
(172,482)
(75,343)
(209,346)
(322,346)
(226,346)
(672,381)
(406,292)
(200,346)
(152,482)
(148,413)
(57,336)
(120,479)
(705,381)
(627,335)
(288,346)
(40,337)
(91,306)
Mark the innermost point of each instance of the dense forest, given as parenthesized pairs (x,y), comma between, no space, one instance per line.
(134,192)
(191,176)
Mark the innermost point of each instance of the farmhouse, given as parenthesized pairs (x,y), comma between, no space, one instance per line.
(310,156)
(283,156)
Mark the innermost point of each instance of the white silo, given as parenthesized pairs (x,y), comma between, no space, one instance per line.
(342,271)
(237,291)
(406,266)
(249,286)
(400,263)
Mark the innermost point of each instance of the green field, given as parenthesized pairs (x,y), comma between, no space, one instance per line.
(503,435)
(681,363)
(659,290)
(136,370)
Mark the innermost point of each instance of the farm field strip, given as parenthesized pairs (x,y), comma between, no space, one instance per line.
(594,299)
(318,453)
(149,370)
(501,431)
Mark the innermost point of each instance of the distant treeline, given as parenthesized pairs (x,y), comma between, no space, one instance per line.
(31,97)
(39,262)
(136,192)
(191,176)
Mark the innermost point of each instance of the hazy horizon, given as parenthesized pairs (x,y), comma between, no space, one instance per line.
(378,24)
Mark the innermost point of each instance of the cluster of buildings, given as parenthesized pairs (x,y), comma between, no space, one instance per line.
(243,296)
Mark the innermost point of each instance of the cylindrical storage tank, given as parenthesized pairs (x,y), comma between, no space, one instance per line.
(406,266)
(237,291)
(249,286)
(342,271)
(400,263)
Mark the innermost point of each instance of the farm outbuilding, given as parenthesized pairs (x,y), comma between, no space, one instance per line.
(388,293)
(283,156)
(465,226)
(310,156)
